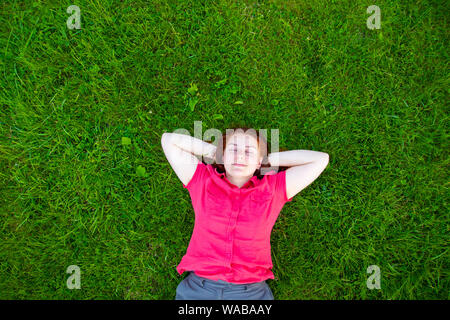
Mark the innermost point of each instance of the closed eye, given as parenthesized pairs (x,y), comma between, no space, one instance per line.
(234,150)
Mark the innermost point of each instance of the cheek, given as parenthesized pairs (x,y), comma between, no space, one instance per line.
(252,160)
(227,157)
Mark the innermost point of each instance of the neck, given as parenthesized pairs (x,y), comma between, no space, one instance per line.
(238,181)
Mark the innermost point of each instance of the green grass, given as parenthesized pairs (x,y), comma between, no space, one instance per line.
(374,100)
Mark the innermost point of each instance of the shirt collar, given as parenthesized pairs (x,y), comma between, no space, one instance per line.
(251,182)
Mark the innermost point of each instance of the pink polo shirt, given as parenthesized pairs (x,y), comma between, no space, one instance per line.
(231,236)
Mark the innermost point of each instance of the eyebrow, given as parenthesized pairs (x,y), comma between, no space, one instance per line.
(234,144)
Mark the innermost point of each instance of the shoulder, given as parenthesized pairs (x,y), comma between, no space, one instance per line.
(201,172)
(276,182)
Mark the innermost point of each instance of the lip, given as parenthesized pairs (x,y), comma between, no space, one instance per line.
(239,165)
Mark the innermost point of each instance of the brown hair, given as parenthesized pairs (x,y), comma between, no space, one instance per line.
(262,144)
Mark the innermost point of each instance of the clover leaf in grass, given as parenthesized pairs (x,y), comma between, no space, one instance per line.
(95,69)
(140,171)
(193,89)
(126,141)
(192,103)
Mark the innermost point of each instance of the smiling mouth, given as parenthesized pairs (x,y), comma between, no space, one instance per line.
(239,165)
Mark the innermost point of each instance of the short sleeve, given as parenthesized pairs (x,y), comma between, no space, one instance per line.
(280,187)
(198,177)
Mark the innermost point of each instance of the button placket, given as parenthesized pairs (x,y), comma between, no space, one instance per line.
(232,226)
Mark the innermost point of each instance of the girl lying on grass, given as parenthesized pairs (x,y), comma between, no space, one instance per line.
(236,206)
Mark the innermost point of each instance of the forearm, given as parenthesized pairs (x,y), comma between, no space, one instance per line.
(191,144)
(295,157)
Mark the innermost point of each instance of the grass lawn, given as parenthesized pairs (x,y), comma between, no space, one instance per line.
(375,100)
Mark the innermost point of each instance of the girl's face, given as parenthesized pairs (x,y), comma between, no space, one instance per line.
(241,156)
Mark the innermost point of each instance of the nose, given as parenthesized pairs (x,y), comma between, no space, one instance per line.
(239,157)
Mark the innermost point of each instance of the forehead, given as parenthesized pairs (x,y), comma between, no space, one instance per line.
(242,139)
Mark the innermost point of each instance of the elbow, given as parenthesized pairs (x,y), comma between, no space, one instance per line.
(165,135)
(326,158)
(164,138)
(168,138)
